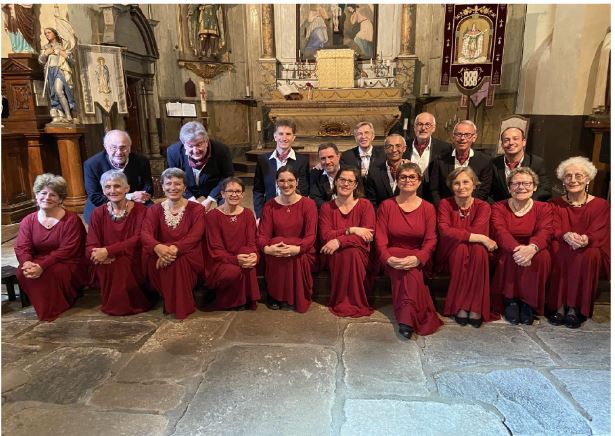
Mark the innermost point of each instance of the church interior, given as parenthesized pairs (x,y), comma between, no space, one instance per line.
(147,69)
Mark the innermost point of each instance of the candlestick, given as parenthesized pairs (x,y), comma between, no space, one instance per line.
(258,126)
(405,123)
(426,89)
(247,91)
(203,96)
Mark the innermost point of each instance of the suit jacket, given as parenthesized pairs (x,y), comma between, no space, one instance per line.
(265,183)
(351,157)
(445,163)
(320,190)
(137,172)
(218,168)
(437,148)
(499,190)
(377,186)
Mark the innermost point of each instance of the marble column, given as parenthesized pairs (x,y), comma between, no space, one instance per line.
(405,70)
(408,18)
(267,31)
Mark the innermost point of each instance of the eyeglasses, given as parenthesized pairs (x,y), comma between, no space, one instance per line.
(196,144)
(233,192)
(578,177)
(394,146)
(410,178)
(116,148)
(426,125)
(516,185)
(287,182)
(343,181)
(463,135)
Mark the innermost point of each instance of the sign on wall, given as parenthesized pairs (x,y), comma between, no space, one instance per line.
(473,45)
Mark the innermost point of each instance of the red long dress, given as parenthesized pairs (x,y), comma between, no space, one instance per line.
(347,265)
(467,262)
(121,282)
(402,234)
(226,237)
(508,230)
(289,279)
(176,281)
(575,274)
(59,251)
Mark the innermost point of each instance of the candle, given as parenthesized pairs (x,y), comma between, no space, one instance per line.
(299,54)
(258,126)
(203,95)
(247,91)
(405,123)
(426,89)
(371,62)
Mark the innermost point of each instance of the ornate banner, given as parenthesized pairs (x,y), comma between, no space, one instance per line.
(473,45)
(102,77)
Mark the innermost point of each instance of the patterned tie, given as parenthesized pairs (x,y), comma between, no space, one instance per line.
(462,158)
(420,148)
(282,157)
(393,169)
(365,163)
(511,165)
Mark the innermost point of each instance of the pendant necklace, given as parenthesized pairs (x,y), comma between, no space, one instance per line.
(117,216)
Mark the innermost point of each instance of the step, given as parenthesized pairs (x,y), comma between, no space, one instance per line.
(252,155)
(247,178)
(244,166)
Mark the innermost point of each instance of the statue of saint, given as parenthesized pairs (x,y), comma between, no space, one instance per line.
(102,76)
(19,23)
(58,76)
(206,28)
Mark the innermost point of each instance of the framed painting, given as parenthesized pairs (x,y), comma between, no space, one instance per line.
(331,26)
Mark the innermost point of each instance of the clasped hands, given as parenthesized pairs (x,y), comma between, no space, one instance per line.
(282,250)
(31,270)
(166,255)
(140,196)
(404,263)
(100,256)
(247,260)
(334,244)
(523,254)
(575,240)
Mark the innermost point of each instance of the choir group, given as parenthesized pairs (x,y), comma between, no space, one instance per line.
(517,257)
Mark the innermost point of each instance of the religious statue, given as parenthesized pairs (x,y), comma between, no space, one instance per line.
(102,76)
(19,23)
(206,29)
(56,56)
(472,46)
(602,89)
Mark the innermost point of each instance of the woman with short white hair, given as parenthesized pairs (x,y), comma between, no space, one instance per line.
(580,248)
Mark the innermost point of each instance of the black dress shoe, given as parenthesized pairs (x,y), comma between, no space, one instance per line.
(461,321)
(572,321)
(556,319)
(273,304)
(511,313)
(475,322)
(526,314)
(405,330)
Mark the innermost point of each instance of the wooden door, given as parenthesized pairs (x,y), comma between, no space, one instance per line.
(132,119)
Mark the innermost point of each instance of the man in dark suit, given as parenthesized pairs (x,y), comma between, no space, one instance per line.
(365,155)
(117,155)
(425,149)
(464,136)
(381,182)
(321,180)
(265,186)
(206,163)
(513,143)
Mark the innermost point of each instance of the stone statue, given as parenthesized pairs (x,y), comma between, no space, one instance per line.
(19,23)
(602,88)
(56,57)
(206,29)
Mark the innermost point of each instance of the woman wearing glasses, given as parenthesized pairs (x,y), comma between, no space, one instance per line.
(286,235)
(230,250)
(346,227)
(522,228)
(463,227)
(405,240)
(580,247)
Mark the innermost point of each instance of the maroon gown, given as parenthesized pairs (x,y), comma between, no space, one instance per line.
(347,265)
(466,262)
(512,281)
(59,251)
(176,281)
(289,279)
(402,234)
(122,282)
(575,274)
(226,237)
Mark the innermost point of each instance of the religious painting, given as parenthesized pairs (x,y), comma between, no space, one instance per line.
(203,32)
(102,78)
(332,26)
(473,45)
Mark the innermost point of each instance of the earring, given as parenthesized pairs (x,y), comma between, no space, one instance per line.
(587,188)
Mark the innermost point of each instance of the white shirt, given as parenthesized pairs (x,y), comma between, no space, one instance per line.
(507,170)
(279,163)
(329,177)
(365,157)
(421,160)
(466,163)
(392,181)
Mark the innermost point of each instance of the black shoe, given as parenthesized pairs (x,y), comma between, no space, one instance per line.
(273,304)
(475,322)
(572,321)
(511,312)
(556,319)
(405,330)
(526,314)
(461,321)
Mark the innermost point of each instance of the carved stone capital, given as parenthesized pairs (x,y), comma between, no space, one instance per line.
(267,31)
(206,70)
(405,74)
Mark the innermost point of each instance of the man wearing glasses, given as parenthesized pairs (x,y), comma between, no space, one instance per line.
(464,136)
(381,182)
(513,144)
(364,156)
(117,155)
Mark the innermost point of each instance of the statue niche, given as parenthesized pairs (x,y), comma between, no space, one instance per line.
(206,31)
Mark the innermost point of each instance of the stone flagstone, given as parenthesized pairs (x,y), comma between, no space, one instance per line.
(158,397)
(13,327)
(579,348)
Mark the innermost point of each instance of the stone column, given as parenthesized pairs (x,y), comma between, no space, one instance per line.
(152,127)
(267,31)
(408,17)
(405,70)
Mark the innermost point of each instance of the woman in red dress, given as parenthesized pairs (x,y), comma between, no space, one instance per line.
(172,244)
(286,235)
(522,228)
(463,225)
(346,227)
(405,240)
(113,245)
(581,245)
(49,249)
(230,250)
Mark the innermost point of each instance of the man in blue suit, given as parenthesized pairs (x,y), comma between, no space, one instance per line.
(265,186)
(206,163)
(117,155)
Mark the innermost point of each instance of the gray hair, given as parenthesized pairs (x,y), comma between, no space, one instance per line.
(523,170)
(173,172)
(116,132)
(191,131)
(56,183)
(113,175)
(425,113)
(585,163)
(386,140)
(467,123)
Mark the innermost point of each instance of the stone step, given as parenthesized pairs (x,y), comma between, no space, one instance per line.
(247,178)
(244,166)
(252,155)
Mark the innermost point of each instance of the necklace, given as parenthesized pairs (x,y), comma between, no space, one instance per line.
(117,216)
(47,221)
(522,211)
(464,213)
(172,219)
(573,204)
